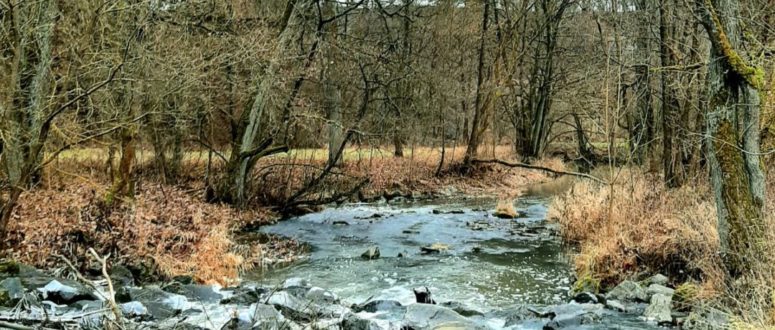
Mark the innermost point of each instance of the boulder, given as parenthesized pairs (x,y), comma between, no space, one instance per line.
(295,282)
(244,296)
(655,289)
(628,291)
(371,253)
(65,292)
(427,316)
(585,298)
(11,291)
(121,276)
(461,309)
(321,296)
(203,293)
(293,307)
(434,248)
(352,321)
(616,305)
(267,317)
(707,320)
(422,295)
(133,309)
(375,306)
(658,279)
(8,268)
(159,304)
(572,316)
(660,309)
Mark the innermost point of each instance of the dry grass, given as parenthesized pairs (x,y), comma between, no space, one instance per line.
(637,226)
(164,232)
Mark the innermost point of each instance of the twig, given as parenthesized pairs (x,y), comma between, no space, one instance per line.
(112,298)
(536,167)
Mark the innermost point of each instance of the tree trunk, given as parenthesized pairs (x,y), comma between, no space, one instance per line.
(480,120)
(670,103)
(332,97)
(736,170)
(642,123)
(249,146)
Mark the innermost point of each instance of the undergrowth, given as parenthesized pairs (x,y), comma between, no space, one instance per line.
(636,226)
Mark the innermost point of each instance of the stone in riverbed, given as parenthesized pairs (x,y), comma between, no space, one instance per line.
(377,306)
(320,295)
(292,307)
(461,309)
(573,316)
(423,295)
(655,289)
(65,292)
(11,291)
(659,309)
(426,316)
(203,293)
(371,253)
(434,248)
(585,298)
(628,291)
(658,279)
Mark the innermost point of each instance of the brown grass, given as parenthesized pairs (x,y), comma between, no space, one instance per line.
(637,226)
(164,232)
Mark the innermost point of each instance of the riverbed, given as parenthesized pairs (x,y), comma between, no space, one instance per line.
(487,263)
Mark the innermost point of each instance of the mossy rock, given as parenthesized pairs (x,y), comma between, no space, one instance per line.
(5,298)
(586,283)
(8,268)
(686,293)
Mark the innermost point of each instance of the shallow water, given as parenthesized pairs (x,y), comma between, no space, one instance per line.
(491,263)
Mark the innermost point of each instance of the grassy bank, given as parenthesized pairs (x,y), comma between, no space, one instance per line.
(636,226)
(169,230)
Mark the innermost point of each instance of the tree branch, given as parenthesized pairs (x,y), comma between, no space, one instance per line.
(536,167)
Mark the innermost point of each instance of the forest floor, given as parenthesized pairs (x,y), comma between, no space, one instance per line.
(168,229)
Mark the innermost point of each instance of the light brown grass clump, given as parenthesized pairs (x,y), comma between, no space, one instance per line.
(643,227)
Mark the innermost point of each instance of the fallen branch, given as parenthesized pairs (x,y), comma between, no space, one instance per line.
(14,326)
(536,167)
(112,298)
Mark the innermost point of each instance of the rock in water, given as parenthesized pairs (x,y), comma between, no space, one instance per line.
(11,291)
(434,248)
(65,293)
(423,295)
(660,309)
(505,210)
(371,253)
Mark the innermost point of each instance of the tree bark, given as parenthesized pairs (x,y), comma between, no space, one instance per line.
(480,120)
(736,170)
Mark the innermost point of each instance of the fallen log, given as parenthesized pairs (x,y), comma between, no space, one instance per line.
(537,167)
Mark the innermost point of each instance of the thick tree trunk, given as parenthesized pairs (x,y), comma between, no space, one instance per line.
(736,170)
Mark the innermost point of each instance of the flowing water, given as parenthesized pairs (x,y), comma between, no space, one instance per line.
(489,264)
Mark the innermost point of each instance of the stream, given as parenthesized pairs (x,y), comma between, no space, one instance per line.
(488,264)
